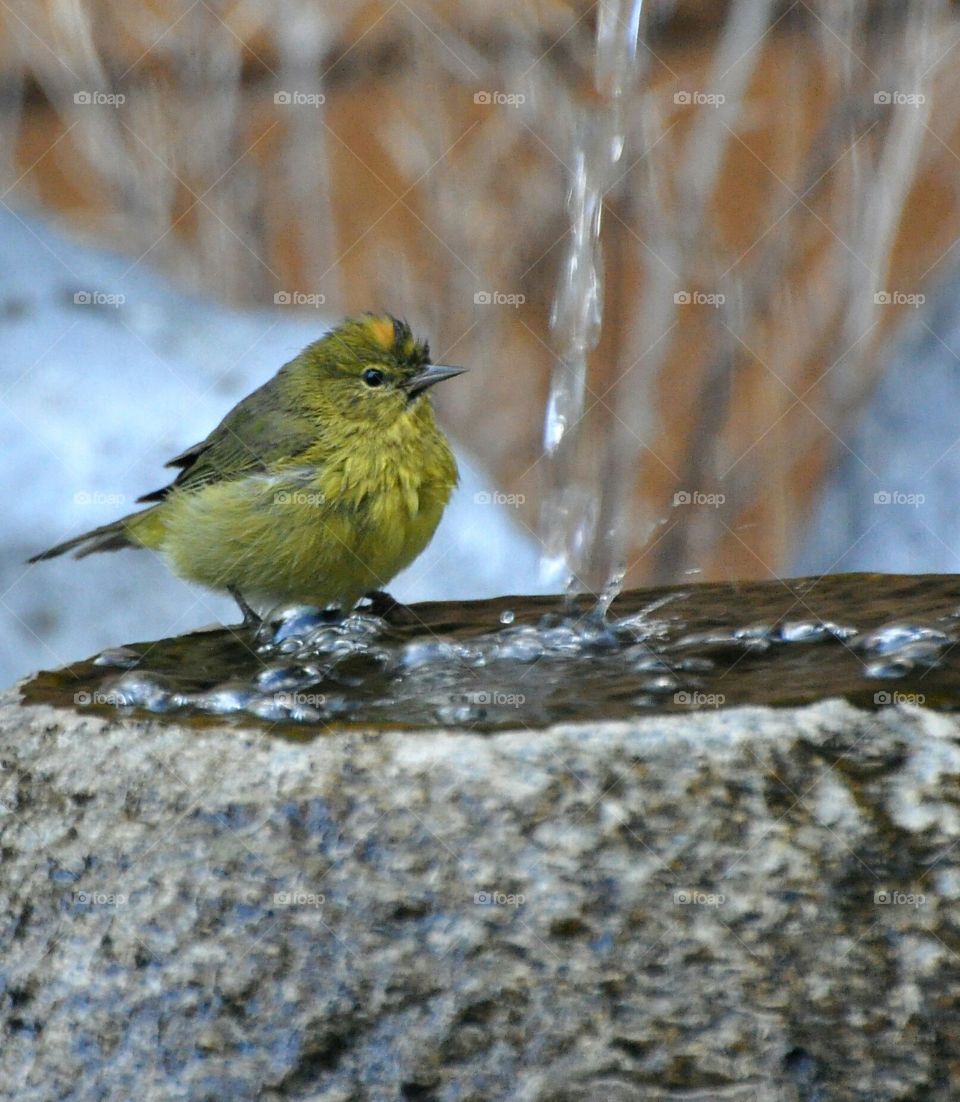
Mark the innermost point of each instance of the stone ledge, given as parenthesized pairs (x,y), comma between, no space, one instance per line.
(683,904)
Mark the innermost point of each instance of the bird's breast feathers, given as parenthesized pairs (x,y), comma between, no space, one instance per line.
(328,530)
(393,474)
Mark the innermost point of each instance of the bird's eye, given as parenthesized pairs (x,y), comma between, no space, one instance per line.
(372,377)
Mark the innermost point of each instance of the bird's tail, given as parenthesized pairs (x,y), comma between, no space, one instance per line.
(130,531)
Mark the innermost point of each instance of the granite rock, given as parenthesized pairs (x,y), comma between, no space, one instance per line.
(747,904)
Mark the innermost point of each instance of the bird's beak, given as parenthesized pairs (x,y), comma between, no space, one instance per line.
(435,373)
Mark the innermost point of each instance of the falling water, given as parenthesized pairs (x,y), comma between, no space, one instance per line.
(570,508)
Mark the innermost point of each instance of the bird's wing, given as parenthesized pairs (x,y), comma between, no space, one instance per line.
(258,432)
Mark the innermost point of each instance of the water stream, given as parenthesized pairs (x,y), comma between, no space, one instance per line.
(571,501)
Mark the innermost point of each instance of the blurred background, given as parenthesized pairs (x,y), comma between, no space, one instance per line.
(700,258)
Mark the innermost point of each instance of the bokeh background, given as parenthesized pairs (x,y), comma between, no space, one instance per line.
(772,339)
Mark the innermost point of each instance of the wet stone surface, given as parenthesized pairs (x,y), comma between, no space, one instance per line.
(874,640)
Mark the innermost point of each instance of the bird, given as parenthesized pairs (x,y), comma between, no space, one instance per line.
(317,488)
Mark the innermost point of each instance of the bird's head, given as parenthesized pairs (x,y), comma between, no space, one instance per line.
(372,369)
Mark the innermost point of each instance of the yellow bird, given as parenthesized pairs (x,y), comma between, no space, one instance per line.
(317,488)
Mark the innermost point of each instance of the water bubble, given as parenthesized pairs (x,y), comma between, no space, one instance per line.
(142,690)
(361,624)
(278,709)
(924,654)
(720,642)
(298,621)
(274,678)
(561,640)
(120,657)
(428,653)
(813,631)
(754,632)
(895,636)
(224,699)
(520,648)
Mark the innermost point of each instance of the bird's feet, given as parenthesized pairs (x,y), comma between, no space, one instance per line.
(384,606)
(250,618)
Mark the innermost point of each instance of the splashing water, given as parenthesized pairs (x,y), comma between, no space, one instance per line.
(526,662)
(569,515)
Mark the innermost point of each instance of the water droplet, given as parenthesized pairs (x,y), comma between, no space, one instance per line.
(507,616)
